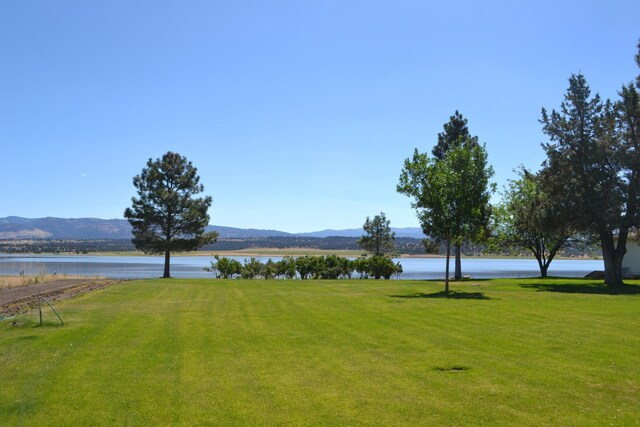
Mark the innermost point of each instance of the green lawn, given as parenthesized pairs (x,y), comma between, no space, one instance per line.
(167,352)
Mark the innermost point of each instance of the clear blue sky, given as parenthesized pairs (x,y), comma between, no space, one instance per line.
(297,114)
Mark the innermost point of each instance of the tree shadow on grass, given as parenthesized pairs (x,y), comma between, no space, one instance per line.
(584,288)
(450,295)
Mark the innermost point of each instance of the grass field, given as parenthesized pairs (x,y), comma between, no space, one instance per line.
(167,352)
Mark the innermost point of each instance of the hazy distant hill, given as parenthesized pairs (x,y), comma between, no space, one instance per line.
(241,233)
(64,228)
(93,228)
(413,232)
(13,227)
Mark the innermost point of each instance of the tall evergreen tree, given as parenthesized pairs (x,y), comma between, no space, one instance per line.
(455,133)
(165,216)
(638,62)
(592,167)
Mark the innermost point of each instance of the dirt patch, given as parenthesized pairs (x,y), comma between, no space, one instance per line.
(453,368)
(21,299)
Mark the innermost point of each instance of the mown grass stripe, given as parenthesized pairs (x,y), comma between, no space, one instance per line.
(327,352)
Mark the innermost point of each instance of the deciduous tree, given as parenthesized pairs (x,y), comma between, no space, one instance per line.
(450,195)
(527,218)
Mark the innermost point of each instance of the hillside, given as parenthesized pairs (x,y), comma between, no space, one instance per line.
(63,228)
(13,228)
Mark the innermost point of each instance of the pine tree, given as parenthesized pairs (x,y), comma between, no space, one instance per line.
(379,240)
(166,217)
(592,168)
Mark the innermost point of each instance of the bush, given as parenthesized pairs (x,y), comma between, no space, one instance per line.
(306,266)
(328,267)
(225,268)
(361,266)
(269,269)
(382,266)
(251,269)
(286,268)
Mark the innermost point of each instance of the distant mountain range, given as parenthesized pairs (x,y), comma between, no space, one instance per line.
(14,228)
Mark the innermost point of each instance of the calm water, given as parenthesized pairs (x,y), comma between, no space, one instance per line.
(137,267)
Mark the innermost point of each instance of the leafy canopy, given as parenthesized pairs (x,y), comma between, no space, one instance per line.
(450,195)
(527,218)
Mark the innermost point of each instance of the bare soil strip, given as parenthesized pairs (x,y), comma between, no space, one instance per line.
(21,299)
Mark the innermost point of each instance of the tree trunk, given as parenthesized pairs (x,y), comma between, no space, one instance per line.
(538,247)
(541,263)
(167,265)
(458,273)
(543,270)
(446,269)
(612,257)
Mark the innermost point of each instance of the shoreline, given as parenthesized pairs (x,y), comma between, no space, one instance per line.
(276,252)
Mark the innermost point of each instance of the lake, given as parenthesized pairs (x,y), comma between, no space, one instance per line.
(142,267)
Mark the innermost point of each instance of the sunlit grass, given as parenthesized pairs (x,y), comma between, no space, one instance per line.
(166,352)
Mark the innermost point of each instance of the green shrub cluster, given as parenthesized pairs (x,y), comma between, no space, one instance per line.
(305,267)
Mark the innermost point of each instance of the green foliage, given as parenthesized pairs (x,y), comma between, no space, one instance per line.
(638,62)
(455,133)
(251,269)
(361,266)
(527,218)
(431,246)
(379,240)
(269,269)
(330,267)
(451,195)
(581,169)
(286,267)
(225,268)
(166,217)
(306,266)
(381,266)
(592,170)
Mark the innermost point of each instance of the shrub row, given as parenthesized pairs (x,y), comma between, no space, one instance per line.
(306,267)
